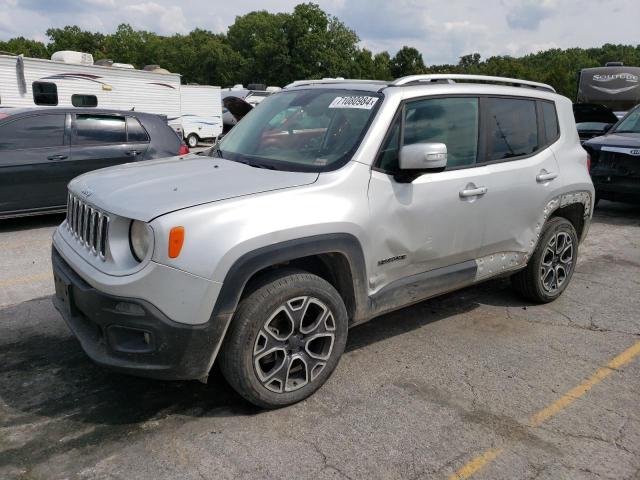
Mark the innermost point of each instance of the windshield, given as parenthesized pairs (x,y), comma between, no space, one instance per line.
(302,130)
(631,123)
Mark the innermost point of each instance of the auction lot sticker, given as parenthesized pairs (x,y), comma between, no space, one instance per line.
(364,102)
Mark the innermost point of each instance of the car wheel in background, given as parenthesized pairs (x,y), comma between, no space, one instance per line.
(192,140)
(285,339)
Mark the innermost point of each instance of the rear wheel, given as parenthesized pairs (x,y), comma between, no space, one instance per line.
(285,340)
(192,140)
(552,264)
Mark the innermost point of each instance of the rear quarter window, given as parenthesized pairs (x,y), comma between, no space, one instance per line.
(135,131)
(550,122)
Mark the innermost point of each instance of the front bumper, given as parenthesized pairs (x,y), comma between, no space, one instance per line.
(617,188)
(131,335)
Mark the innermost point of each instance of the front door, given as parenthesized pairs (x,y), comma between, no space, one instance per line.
(33,150)
(436,221)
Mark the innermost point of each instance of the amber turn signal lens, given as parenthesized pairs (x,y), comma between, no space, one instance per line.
(176,239)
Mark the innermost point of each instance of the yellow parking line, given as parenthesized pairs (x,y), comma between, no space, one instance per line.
(33,278)
(476,464)
(546,413)
(577,392)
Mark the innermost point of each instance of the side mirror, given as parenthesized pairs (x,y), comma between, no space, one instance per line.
(423,156)
(607,127)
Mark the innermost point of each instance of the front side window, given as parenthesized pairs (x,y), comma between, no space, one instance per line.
(452,121)
(630,124)
(98,129)
(84,100)
(33,132)
(512,128)
(304,130)
(45,93)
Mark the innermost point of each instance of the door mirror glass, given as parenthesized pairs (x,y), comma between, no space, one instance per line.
(423,156)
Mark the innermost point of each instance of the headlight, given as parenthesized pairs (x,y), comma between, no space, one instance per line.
(139,239)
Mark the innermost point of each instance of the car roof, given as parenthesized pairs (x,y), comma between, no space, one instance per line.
(11,111)
(422,81)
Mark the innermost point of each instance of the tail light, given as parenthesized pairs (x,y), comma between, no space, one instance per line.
(183,150)
(588,162)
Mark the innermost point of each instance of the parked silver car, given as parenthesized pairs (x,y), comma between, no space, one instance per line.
(333,202)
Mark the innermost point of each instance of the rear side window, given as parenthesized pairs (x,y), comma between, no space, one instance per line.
(135,131)
(84,100)
(99,129)
(512,128)
(33,132)
(550,121)
(45,93)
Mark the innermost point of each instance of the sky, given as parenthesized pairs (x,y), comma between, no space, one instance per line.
(441,30)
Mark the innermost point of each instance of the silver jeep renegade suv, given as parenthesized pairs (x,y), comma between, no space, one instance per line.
(331,203)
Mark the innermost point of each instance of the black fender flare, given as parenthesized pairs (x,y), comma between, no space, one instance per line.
(254,261)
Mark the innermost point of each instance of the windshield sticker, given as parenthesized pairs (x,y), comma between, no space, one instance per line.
(363,102)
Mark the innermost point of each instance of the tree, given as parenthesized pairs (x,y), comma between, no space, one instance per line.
(25,46)
(408,61)
(74,38)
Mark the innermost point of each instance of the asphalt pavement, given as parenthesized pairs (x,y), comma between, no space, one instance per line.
(474,384)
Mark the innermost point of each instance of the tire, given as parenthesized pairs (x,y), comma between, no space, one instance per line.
(298,317)
(192,140)
(551,266)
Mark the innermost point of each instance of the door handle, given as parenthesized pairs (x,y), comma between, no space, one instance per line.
(133,153)
(57,157)
(545,176)
(473,192)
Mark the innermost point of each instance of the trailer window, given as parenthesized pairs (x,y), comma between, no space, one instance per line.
(84,100)
(96,129)
(45,93)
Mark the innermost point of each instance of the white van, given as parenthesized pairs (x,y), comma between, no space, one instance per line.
(201,118)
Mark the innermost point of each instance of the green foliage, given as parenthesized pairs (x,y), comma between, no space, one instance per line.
(408,61)
(29,48)
(277,48)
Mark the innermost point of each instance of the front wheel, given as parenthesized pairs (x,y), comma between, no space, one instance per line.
(551,266)
(285,339)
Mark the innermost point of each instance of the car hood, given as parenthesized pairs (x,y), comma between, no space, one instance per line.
(146,190)
(628,140)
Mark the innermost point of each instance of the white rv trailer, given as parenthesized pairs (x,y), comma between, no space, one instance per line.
(201,118)
(73,80)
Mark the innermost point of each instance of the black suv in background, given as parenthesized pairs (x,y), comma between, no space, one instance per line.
(615,160)
(41,150)
(593,120)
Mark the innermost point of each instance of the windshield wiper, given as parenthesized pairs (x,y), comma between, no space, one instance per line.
(625,131)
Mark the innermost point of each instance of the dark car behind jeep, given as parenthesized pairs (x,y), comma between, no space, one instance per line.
(42,149)
(615,160)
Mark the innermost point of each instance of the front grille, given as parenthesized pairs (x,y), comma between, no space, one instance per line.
(88,225)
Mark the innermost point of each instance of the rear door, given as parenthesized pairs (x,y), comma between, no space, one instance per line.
(33,151)
(522,172)
(99,141)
